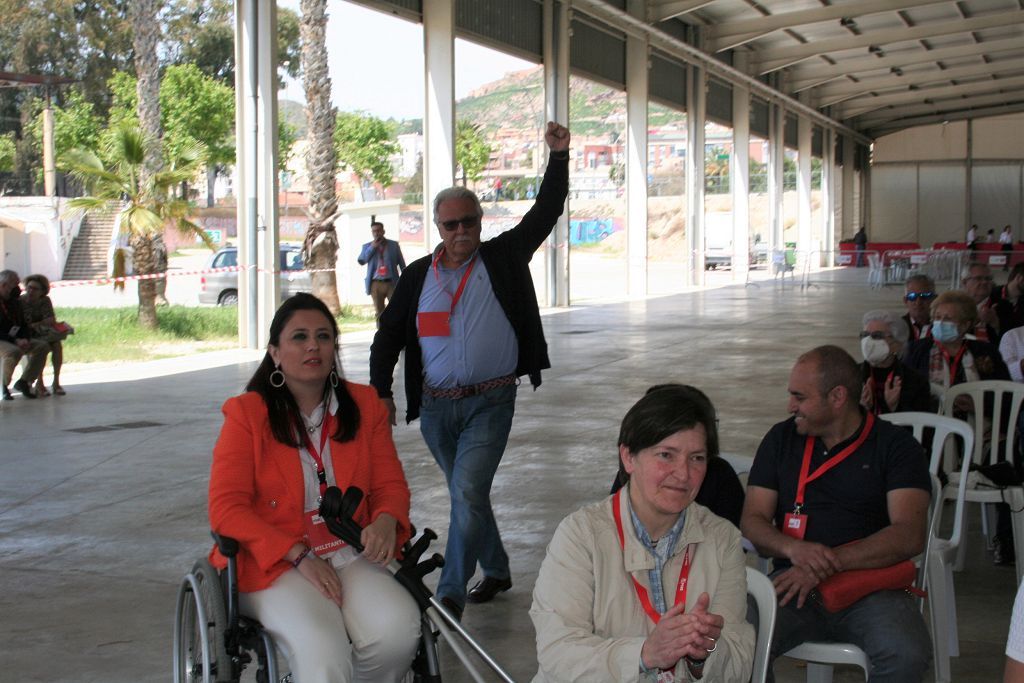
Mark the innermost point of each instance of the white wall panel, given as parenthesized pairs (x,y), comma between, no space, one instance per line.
(995,195)
(941,141)
(999,137)
(940,198)
(893,209)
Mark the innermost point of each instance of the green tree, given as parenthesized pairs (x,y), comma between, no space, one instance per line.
(7,152)
(365,145)
(320,247)
(196,108)
(202,32)
(287,136)
(75,124)
(472,152)
(148,202)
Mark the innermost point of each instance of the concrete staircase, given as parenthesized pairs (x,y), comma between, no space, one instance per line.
(87,259)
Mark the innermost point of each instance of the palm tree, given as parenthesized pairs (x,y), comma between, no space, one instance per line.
(320,247)
(148,199)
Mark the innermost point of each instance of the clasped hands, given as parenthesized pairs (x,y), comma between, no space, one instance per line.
(378,539)
(681,634)
(812,564)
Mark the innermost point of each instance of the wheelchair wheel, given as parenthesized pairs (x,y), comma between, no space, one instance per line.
(199,625)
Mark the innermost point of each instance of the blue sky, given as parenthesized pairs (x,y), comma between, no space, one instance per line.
(376,62)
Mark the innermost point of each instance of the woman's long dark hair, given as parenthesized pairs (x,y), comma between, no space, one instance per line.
(285,418)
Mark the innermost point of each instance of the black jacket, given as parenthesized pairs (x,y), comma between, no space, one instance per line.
(915,393)
(507,258)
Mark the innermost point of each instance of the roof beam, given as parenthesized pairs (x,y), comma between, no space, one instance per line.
(947,108)
(691,55)
(731,34)
(866,104)
(805,76)
(840,91)
(660,11)
(900,124)
(773,60)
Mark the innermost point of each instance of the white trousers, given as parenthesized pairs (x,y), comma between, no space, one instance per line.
(372,638)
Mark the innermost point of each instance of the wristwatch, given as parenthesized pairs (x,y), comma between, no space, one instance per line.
(696,666)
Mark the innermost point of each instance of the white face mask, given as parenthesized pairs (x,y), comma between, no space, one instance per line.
(875,351)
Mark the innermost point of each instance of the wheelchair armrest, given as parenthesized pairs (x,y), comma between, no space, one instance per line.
(227,546)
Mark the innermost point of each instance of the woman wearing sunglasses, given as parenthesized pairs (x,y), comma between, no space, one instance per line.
(889,385)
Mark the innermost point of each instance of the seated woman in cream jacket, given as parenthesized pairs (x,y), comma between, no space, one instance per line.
(647,585)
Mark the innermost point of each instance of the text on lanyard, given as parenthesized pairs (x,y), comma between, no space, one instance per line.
(321,472)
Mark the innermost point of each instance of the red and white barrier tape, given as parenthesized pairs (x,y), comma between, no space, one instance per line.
(177,273)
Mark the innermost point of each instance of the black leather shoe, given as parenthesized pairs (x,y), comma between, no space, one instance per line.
(487,589)
(24,387)
(452,608)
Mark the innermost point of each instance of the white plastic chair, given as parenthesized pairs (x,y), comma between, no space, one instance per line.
(822,657)
(941,552)
(876,272)
(996,448)
(760,587)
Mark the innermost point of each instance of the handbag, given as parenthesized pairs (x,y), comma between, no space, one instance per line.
(842,589)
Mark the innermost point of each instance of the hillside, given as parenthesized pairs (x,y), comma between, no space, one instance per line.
(516,101)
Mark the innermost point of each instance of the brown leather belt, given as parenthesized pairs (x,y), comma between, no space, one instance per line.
(471,390)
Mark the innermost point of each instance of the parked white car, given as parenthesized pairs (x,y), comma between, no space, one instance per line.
(222,288)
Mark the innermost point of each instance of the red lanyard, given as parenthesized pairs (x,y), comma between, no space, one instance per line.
(878,392)
(842,455)
(954,363)
(321,473)
(462,282)
(641,592)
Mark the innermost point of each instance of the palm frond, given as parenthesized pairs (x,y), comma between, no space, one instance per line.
(140,220)
(126,144)
(187,227)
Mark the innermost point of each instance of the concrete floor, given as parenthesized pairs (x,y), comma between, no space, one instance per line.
(97,527)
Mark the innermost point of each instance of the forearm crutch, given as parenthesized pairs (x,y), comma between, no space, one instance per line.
(337,509)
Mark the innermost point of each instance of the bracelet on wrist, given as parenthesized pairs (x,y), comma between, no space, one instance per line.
(298,560)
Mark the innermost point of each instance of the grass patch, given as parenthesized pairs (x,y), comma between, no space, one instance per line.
(114,334)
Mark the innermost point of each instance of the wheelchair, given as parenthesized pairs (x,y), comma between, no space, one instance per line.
(214,643)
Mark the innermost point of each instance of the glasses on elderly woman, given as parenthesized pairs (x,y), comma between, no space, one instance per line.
(875,335)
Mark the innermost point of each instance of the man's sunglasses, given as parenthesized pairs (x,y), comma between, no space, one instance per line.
(914,296)
(468,222)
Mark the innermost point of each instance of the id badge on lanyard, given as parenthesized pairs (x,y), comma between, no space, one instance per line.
(438,323)
(318,537)
(794,524)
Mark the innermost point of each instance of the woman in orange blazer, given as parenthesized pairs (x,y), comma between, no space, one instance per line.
(335,614)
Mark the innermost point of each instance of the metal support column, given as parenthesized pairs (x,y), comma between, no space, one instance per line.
(439,113)
(803,192)
(256,126)
(696,98)
(776,155)
(739,181)
(828,196)
(637,88)
(556,108)
(849,174)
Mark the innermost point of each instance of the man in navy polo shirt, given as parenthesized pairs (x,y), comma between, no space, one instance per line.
(865,480)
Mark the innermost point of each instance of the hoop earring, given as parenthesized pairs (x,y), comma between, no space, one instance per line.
(334,379)
(276,378)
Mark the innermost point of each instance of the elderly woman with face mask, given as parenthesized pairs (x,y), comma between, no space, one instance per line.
(889,386)
(951,355)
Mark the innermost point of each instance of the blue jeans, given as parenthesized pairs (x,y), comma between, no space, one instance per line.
(886,625)
(467,438)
